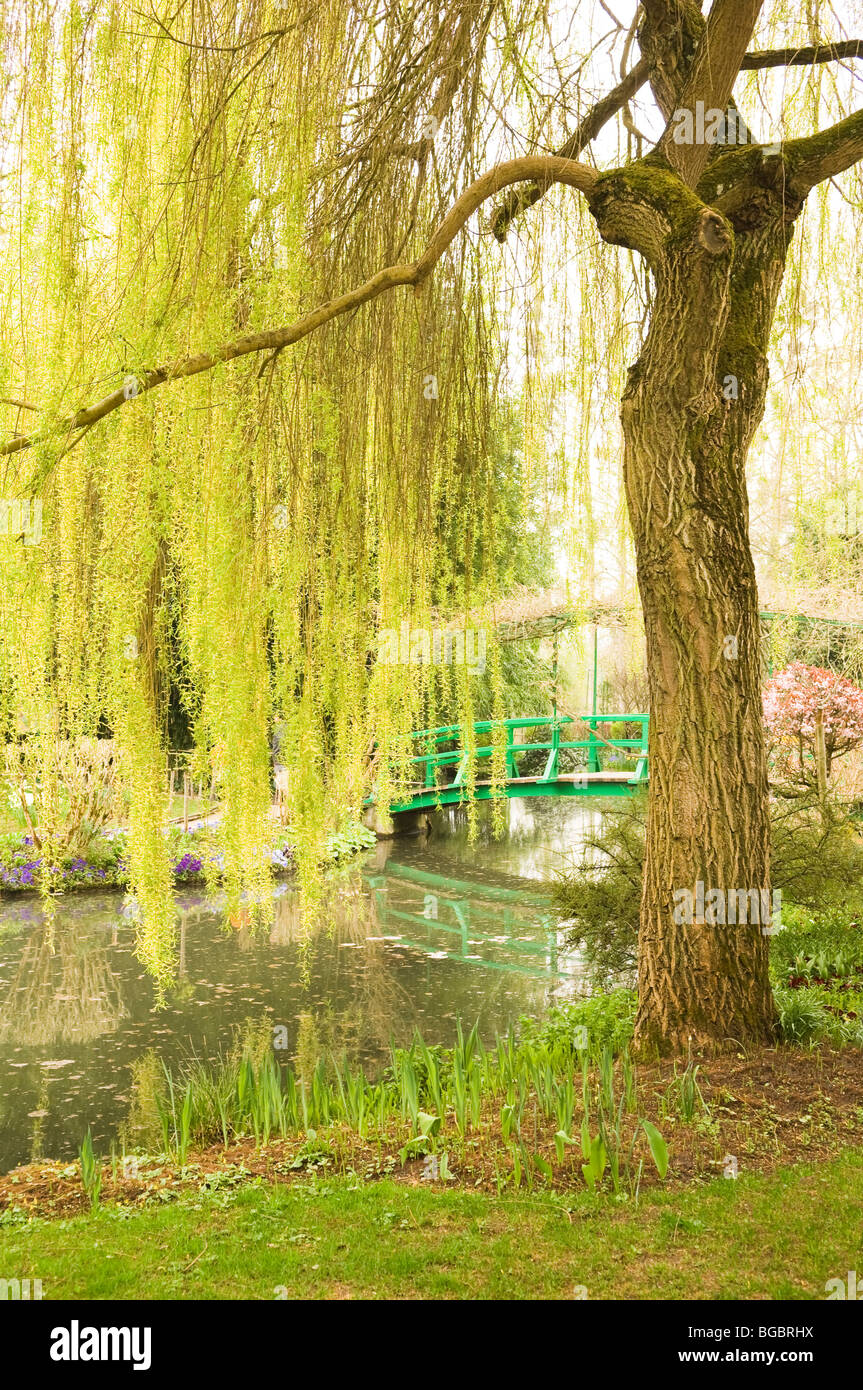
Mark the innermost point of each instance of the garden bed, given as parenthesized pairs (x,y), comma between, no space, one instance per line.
(105,866)
(765,1110)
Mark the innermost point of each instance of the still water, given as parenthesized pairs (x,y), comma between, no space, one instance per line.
(416,933)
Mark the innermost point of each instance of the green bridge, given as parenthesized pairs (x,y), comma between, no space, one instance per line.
(592,765)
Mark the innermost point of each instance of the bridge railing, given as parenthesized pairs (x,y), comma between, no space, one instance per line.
(431,756)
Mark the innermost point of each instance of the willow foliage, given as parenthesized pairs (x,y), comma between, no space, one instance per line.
(176,179)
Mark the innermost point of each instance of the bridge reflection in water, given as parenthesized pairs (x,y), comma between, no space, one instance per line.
(499,926)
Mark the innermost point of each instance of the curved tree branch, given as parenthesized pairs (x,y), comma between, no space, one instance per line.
(548,168)
(802,57)
(814,158)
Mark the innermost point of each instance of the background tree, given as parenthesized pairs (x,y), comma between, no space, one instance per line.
(793,700)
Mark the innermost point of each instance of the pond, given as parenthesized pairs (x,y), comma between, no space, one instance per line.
(416,933)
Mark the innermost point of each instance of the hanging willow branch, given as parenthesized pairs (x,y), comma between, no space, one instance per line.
(547,167)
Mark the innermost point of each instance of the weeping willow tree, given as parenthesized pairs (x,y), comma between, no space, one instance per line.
(253,340)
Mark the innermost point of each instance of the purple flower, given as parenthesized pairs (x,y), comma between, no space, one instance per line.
(189,864)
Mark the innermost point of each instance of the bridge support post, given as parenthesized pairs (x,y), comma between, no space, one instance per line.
(402,823)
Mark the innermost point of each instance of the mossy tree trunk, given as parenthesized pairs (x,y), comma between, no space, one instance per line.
(693,401)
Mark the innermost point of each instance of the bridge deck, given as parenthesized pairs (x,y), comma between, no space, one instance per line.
(436,754)
(569,784)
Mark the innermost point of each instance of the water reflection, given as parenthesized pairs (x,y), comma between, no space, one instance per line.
(416,934)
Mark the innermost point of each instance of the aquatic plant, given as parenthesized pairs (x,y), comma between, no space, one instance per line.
(425,1096)
(91,1171)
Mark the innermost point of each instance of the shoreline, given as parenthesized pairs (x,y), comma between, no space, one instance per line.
(341,847)
(754,1105)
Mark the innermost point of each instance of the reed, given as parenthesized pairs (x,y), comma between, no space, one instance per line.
(425,1090)
(91,1171)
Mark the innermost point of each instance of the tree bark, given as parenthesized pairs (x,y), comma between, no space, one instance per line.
(693,401)
(707,813)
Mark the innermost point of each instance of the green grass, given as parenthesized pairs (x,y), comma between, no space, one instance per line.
(773,1237)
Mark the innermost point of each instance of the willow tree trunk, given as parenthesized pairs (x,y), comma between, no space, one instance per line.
(707,814)
(692,403)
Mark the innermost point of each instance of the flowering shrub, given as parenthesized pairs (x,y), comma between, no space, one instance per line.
(21,864)
(190,864)
(67,790)
(283,858)
(791,699)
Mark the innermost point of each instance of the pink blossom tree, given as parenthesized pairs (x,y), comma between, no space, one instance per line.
(795,701)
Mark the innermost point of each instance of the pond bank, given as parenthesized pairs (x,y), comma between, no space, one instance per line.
(105,865)
(746,1115)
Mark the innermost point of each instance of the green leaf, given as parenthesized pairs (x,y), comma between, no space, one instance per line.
(598,1157)
(414,1148)
(560,1139)
(543,1166)
(658,1147)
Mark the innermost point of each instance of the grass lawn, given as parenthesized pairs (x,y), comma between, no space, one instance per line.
(764,1236)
